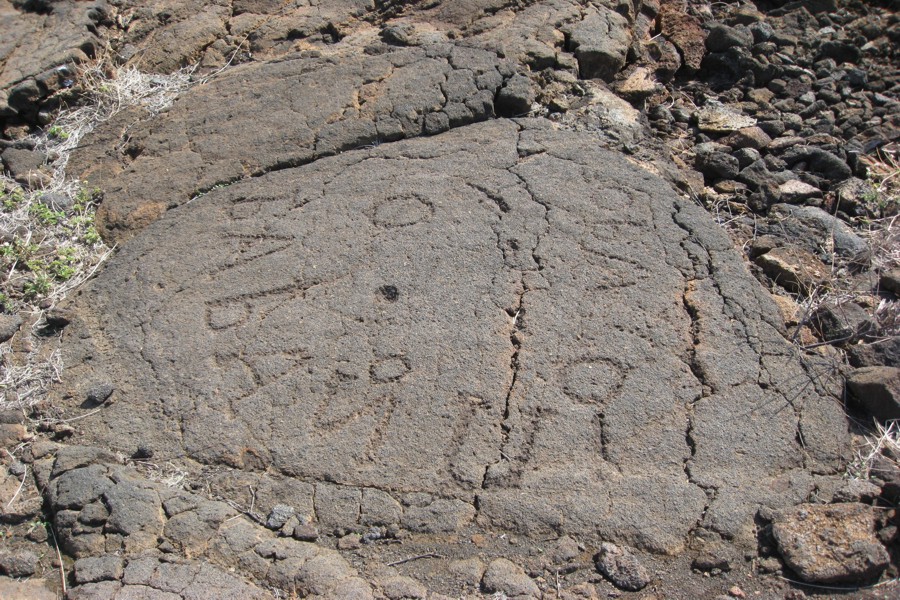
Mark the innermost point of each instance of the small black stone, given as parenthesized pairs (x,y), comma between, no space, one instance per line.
(99,394)
(142,453)
(390,292)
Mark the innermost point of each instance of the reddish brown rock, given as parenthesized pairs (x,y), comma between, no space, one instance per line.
(794,269)
(830,543)
(748,137)
(685,32)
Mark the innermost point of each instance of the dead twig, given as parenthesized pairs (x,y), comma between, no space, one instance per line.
(19,490)
(62,568)
(417,557)
(838,588)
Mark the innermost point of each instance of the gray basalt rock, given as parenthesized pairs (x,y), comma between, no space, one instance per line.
(475,318)
(817,231)
(210,551)
(622,568)
(600,43)
(877,391)
(223,131)
(505,577)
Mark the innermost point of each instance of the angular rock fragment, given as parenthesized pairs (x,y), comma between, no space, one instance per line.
(797,192)
(18,564)
(638,85)
(600,43)
(721,37)
(622,568)
(877,391)
(842,323)
(795,270)
(889,280)
(515,97)
(505,577)
(684,31)
(881,352)
(748,137)
(831,167)
(9,325)
(279,516)
(716,117)
(817,231)
(717,165)
(833,543)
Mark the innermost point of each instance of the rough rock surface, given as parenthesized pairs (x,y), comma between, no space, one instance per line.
(830,544)
(40,42)
(451,314)
(400,368)
(877,389)
(134,538)
(224,130)
(622,568)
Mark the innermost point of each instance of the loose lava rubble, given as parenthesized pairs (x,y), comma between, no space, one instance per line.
(420,300)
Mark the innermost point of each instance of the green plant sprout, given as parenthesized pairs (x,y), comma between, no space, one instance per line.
(58,133)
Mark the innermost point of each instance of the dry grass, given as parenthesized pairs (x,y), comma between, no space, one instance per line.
(883,444)
(49,244)
(25,385)
(167,474)
(883,235)
(884,174)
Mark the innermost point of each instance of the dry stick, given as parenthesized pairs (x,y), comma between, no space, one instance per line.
(21,485)
(417,557)
(839,588)
(62,568)
(93,412)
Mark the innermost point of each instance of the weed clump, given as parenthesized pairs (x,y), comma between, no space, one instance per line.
(49,243)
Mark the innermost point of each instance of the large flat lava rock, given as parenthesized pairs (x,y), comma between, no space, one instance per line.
(264,116)
(501,326)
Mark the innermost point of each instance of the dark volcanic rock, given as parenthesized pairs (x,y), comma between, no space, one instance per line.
(39,48)
(194,532)
(311,108)
(816,230)
(890,281)
(880,352)
(9,325)
(622,568)
(722,37)
(515,97)
(877,390)
(18,564)
(718,165)
(831,167)
(600,43)
(19,162)
(487,286)
(843,322)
